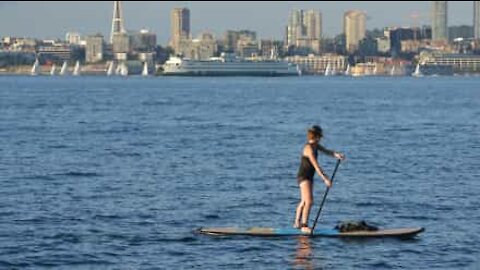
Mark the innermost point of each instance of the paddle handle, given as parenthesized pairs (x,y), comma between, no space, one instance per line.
(324,197)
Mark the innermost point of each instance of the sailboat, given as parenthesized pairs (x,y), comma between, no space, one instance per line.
(110,69)
(375,70)
(118,70)
(392,71)
(53,70)
(145,69)
(124,69)
(347,71)
(76,70)
(36,68)
(328,70)
(417,72)
(63,71)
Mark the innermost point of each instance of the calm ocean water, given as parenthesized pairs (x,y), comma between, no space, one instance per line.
(115,173)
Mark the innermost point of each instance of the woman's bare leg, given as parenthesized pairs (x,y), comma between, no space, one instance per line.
(307,199)
(298,214)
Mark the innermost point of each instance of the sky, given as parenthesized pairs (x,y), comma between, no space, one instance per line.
(49,19)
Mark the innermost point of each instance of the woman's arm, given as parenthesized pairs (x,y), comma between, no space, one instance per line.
(331,153)
(308,152)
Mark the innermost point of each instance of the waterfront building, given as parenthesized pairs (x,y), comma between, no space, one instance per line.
(354,29)
(461,63)
(317,64)
(439,21)
(55,52)
(95,49)
(180,28)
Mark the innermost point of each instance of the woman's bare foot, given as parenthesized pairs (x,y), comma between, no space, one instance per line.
(306,230)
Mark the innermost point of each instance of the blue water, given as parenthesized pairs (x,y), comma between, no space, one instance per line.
(115,173)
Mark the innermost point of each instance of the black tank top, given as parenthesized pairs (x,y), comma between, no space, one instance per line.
(306,170)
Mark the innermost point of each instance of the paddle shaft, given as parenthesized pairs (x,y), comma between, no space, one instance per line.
(324,197)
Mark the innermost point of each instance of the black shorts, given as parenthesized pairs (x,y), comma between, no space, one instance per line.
(301,179)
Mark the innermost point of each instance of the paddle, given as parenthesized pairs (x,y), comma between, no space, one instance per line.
(324,197)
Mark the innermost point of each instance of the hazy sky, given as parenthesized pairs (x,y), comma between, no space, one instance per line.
(53,19)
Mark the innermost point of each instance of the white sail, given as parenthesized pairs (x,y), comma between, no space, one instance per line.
(63,71)
(417,72)
(118,70)
(347,71)
(328,70)
(110,68)
(145,69)
(76,70)
(375,70)
(392,71)
(53,70)
(36,68)
(124,69)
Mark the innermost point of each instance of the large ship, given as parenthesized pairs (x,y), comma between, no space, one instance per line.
(228,65)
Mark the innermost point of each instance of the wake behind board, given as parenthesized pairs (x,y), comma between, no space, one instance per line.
(259,231)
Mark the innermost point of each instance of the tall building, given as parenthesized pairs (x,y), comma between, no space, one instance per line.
(95,48)
(354,28)
(476,19)
(295,27)
(313,24)
(304,24)
(304,29)
(180,27)
(117,20)
(439,21)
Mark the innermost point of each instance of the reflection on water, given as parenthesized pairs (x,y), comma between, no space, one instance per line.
(304,254)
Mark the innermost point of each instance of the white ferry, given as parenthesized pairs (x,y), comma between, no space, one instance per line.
(227,65)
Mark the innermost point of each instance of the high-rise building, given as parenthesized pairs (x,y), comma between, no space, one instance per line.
(313,24)
(354,28)
(439,21)
(476,19)
(95,48)
(117,20)
(295,27)
(304,29)
(180,27)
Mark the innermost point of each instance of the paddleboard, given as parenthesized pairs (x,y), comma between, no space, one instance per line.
(264,231)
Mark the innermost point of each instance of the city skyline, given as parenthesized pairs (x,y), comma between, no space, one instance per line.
(208,16)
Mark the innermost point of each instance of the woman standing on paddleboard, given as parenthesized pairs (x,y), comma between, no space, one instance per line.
(308,167)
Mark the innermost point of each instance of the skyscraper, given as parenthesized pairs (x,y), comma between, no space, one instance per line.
(304,29)
(180,27)
(313,24)
(476,19)
(295,27)
(354,28)
(439,21)
(117,20)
